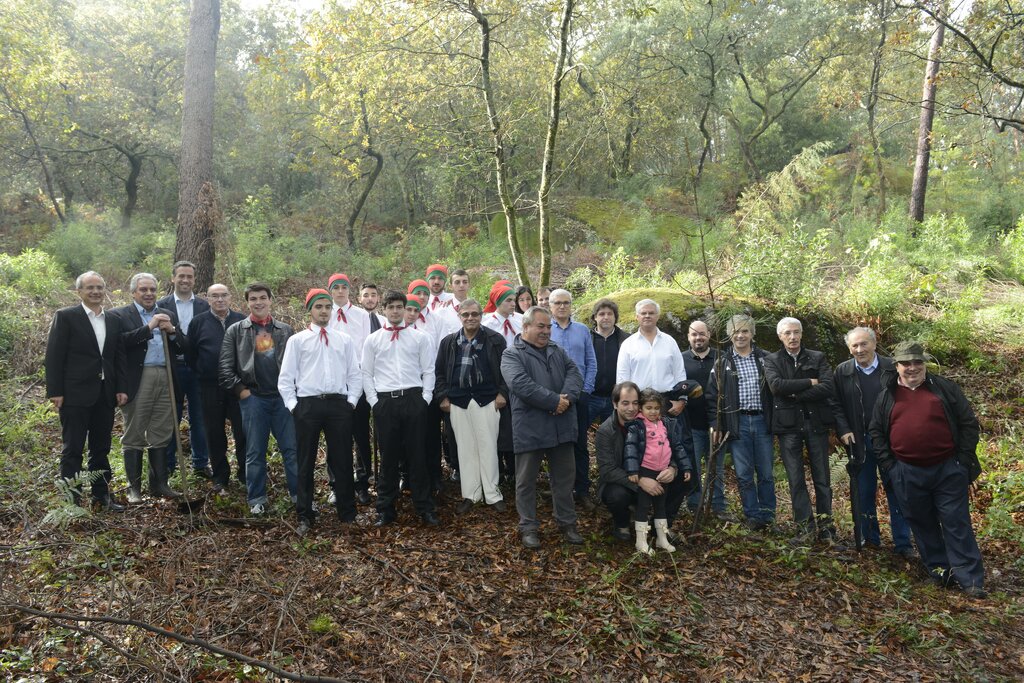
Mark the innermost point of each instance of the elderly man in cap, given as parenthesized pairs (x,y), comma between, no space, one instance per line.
(320,383)
(925,437)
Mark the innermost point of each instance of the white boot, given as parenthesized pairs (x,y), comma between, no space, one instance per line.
(641,537)
(661,528)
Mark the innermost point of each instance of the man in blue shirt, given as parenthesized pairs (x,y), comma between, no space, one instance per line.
(575,339)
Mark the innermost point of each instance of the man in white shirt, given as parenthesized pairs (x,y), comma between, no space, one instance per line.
(352,320)
(369,299)
(437,278)
(320,384)
(504,320)
(650,358)
(398,379)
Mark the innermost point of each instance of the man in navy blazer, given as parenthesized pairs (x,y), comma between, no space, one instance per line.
(85,379)
(187,305)
(148,420)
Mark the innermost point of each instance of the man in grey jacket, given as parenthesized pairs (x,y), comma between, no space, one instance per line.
(544,386)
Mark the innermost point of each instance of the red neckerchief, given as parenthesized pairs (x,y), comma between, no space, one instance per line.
(433,304)
(323,333)
(261,321)
(341,316)
(394,331)
(507,328)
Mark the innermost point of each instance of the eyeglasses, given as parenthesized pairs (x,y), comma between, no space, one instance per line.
(560,303)
(469,314)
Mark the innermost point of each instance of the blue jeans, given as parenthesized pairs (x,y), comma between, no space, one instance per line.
(867,483)
(702,446)
(752,456)
(580,448)
(188,386)
(600,408)
(262,415)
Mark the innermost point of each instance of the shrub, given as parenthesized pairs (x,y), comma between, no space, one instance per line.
(787,268)
(75,247)
(620,272)
(1013,250)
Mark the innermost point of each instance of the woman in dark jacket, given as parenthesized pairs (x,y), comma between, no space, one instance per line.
(739,405)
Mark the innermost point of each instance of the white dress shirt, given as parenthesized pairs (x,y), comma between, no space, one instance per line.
(99,326)
(446,321)
(438,301)
(496,322)
(311,368)
(403,363)
(657,365)
(185,310)
(355,323)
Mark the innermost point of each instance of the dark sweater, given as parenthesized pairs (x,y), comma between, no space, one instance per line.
(870,388)
(919,432)
(606,349)
(699,370)
(206,336)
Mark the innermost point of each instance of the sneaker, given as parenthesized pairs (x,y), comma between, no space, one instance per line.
(258,510)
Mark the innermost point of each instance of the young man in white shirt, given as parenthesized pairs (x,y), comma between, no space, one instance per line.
(398,379)
(345,317)
(437,277)
(320,384)
(504,320)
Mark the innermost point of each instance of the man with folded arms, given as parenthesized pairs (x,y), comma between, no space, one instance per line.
(398,378)
(320,383)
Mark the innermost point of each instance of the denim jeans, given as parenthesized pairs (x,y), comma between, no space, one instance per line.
(600,408)
(581,450)
(867,484)
(752,456)
(702,446)
(261,416)
(188,388)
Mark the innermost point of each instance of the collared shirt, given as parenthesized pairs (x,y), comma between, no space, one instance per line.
(749,381)
(497,322)
(446,321)
(355,323)
(186,310)
(310,367)
(658,365)
(438,301)
(99,328)
(870,368)
(575,339)
(155,348)
(404,363)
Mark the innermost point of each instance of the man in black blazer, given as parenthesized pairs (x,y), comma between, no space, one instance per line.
(148,421)
(187,305)
(85,379)
(801,384)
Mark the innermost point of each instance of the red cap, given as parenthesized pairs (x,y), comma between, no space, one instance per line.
(339,277)
(437,269)
(418,284)
(314,294)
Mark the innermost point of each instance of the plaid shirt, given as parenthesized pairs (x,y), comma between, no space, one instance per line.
(749,381)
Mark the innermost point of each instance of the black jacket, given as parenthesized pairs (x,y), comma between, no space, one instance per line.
(494,346)
(236,366)
(636,444)
(962,422)
(606,350)
(535,379)
(722,394)
(847,406)
(796,402)
(609,448)
(135,336)
(205,338)
(74,363)
(699,371)
(199,305)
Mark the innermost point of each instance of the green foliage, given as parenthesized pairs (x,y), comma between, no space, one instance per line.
(97,242)
(952,333)
(620,271)
(1013,250)
(788,268)
(1003,477)
(30,287)
(259,251)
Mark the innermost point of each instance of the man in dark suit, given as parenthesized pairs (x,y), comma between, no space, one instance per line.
(148,420)
(85,379)
(801,384)
(187,305)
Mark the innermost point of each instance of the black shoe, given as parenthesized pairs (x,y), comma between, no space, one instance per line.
(204,472)
(464,506)
(621,534)
(348,518)
(530,540)
(431,519)
(303,528)
(363,497)
(585,502)
(107,504)
(827,535)
(572,535)
(726,516)
(976,592)
(384,520)
(906,553)
(756,524)
(500,506)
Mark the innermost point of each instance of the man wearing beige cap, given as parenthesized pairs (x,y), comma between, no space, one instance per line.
(925,436)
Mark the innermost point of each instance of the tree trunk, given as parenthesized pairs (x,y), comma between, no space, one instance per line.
(37,151)
(498,141)
(131,190)
(924,129)
(195,238)
(549,144)
(872,104)
(368,150)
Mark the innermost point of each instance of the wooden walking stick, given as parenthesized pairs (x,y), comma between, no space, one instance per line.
(185,506)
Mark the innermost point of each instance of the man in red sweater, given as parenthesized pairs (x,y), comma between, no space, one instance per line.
(925,436)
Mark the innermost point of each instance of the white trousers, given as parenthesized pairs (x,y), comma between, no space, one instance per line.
(476,432)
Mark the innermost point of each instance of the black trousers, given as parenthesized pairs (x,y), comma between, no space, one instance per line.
(618,498)
(331,417)
(645,501)
(220,406)
(432,434)
(361,437)
(401,423)
(94,424)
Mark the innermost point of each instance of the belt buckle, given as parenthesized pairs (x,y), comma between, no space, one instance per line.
(397,394)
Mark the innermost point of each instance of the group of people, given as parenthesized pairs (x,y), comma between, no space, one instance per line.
(496,388)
